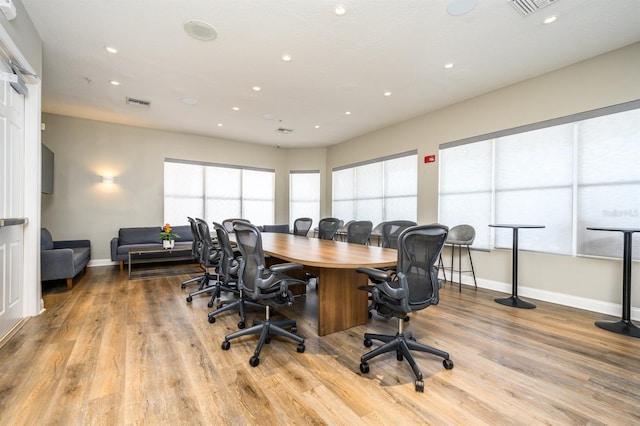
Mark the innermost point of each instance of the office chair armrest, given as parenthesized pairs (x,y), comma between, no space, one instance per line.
(283,267)
(393,293)
(375,274)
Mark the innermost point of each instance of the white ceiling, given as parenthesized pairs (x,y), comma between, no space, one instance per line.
(340,63)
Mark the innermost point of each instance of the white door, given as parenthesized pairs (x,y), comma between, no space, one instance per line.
(11,203)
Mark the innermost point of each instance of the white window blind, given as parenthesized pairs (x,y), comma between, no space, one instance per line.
(534,185)
(609,182)
(567,175)
(304,195)
(217,192)
(379,190)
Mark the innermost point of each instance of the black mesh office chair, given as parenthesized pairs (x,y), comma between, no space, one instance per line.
(228,223)
(415,287)
(196,252)
(391,230)
(359,231)
(269,285)
(302,225)
(209,259)
(327,228)
(228,270)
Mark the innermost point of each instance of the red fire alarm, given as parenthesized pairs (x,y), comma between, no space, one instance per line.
(430,158)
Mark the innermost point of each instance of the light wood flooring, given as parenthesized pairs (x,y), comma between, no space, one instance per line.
(114,351)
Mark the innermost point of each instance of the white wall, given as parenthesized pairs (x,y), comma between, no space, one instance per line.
(83,207)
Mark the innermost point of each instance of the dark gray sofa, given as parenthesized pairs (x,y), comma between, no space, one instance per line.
(148,237)
(62,259)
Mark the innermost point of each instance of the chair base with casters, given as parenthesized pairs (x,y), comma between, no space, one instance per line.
(266,328)
(402,344)
(240,304)
(206,287)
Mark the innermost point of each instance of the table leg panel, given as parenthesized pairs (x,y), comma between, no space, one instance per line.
(340,304)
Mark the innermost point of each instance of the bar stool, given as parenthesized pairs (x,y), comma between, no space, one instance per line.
(460,235)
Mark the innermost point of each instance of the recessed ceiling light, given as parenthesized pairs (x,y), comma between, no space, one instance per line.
(340,10)
(267,116)
(347,113)
(235,109)
(200,30)
(189,101)
(114,83)
(286,57)
(387,93)
(111,49)
(219,124)
(316,126)
(448,66)
(550,19)
(256,88)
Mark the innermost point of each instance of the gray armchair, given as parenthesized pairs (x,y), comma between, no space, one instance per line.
(62,259)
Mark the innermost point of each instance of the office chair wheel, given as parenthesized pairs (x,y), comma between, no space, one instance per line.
(254,361)
(226,345)
(300,348)
(267,340)
(212,320)
(399,356)
(241,325)
(406,319)
(448,364)
(183,286)
(368,343)
(369,314)
(419,386)
(189,298)
(364,367)
(294,329)
(210,305)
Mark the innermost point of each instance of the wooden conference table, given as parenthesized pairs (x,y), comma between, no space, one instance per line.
(340,304)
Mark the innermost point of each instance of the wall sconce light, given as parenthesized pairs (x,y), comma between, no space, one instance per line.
(108,179)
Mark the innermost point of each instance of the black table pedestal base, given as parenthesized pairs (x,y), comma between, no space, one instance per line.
(515,302)
(621,327)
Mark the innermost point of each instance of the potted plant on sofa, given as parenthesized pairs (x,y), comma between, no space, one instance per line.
(167,236)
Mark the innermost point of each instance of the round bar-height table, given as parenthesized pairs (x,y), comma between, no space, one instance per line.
(514,300)
(624,326)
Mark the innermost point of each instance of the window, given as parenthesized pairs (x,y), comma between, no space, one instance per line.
(379,190)
(567,174)
(217,192)
(304,195)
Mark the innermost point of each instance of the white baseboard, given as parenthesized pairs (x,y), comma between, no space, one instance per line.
(101,262)
(593,305)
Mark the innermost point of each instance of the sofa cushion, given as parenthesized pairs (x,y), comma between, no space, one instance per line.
(81,257)
(46,241)
(142,235)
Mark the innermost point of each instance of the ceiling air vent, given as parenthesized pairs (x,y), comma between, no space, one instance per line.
(284,130)
(138,102)
(527,7)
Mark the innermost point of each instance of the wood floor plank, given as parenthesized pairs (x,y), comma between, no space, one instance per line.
(116,351)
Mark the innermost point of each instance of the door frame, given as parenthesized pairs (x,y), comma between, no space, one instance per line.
(32,290)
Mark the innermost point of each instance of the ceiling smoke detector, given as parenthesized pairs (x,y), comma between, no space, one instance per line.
(284,130)
(527,7)
(138,102)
